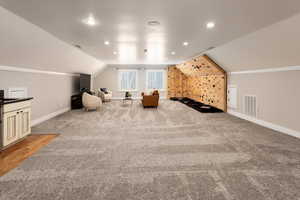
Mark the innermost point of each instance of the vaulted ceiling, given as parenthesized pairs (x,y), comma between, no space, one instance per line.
(124,23)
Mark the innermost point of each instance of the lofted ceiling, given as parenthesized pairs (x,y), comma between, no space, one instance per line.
(124,23)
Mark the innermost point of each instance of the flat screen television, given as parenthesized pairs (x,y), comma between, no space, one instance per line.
(85,82)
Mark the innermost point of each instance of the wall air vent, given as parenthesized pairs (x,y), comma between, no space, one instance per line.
(153,23)
(77,46)
(250,105)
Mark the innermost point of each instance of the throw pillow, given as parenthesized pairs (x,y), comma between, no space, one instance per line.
(104,90)
(155,92)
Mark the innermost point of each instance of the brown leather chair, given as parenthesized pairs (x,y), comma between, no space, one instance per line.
(150,100)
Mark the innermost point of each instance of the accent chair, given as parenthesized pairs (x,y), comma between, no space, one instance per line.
(150,100)
(105,94)
(91,102)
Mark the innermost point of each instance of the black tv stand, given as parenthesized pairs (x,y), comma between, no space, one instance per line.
(76,101)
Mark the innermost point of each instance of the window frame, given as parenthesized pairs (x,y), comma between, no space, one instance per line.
(163,76)
(136,80)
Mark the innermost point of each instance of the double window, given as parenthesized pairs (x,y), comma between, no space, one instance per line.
(155,79)
(128,79)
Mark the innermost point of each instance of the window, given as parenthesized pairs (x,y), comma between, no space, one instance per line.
(155,79)
(127,80)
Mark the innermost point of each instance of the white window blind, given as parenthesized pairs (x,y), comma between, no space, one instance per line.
(128,80)
(155,79)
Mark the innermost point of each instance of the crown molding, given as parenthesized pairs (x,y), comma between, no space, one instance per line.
(280,69)
(20,69)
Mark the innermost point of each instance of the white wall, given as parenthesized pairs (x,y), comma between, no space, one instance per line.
(26,45)
(108,78)
(51,93)
(277,94)
(273,47)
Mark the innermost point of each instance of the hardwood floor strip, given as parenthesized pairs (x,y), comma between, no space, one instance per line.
(13,156)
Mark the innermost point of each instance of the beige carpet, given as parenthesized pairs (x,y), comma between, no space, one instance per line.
(125,152)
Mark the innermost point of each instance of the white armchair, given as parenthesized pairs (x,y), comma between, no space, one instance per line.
(105,97)
(91,102)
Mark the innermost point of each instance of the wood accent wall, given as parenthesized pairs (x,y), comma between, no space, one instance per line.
(176,82)
(200,79)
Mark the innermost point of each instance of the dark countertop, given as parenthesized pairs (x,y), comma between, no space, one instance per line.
(9,101)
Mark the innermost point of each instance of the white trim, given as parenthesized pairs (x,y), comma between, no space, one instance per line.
(121,98)
(134,98)
(280,69)
(136,90)
(127,70)
(160,90)
(20,69)
(265,124)
(155,70)
(49,116)
(133,91)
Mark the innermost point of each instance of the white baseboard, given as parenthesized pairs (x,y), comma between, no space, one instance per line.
(49,116)
(265,124)
(135,98)
(120,98)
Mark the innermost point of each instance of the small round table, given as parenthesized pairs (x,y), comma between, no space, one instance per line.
(127,99)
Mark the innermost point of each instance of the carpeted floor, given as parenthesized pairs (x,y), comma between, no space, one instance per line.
(169,153)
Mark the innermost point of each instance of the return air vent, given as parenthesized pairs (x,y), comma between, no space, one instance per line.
(77,46)
(250,105)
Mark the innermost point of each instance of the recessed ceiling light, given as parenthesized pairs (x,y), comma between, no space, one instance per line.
(153,23)
(90,21)
(210,25)
(115,53)
(173,52)
(106,42)
(185,44)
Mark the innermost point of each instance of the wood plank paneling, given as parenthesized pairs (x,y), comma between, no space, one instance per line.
(176,82)
(200,79)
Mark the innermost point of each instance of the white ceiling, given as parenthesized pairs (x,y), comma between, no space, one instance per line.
(124,24)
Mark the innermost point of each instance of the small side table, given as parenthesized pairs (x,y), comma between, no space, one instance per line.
(127,99)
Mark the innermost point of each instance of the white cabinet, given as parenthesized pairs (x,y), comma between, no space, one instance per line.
(24,122)
(16,122)
(10,127)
